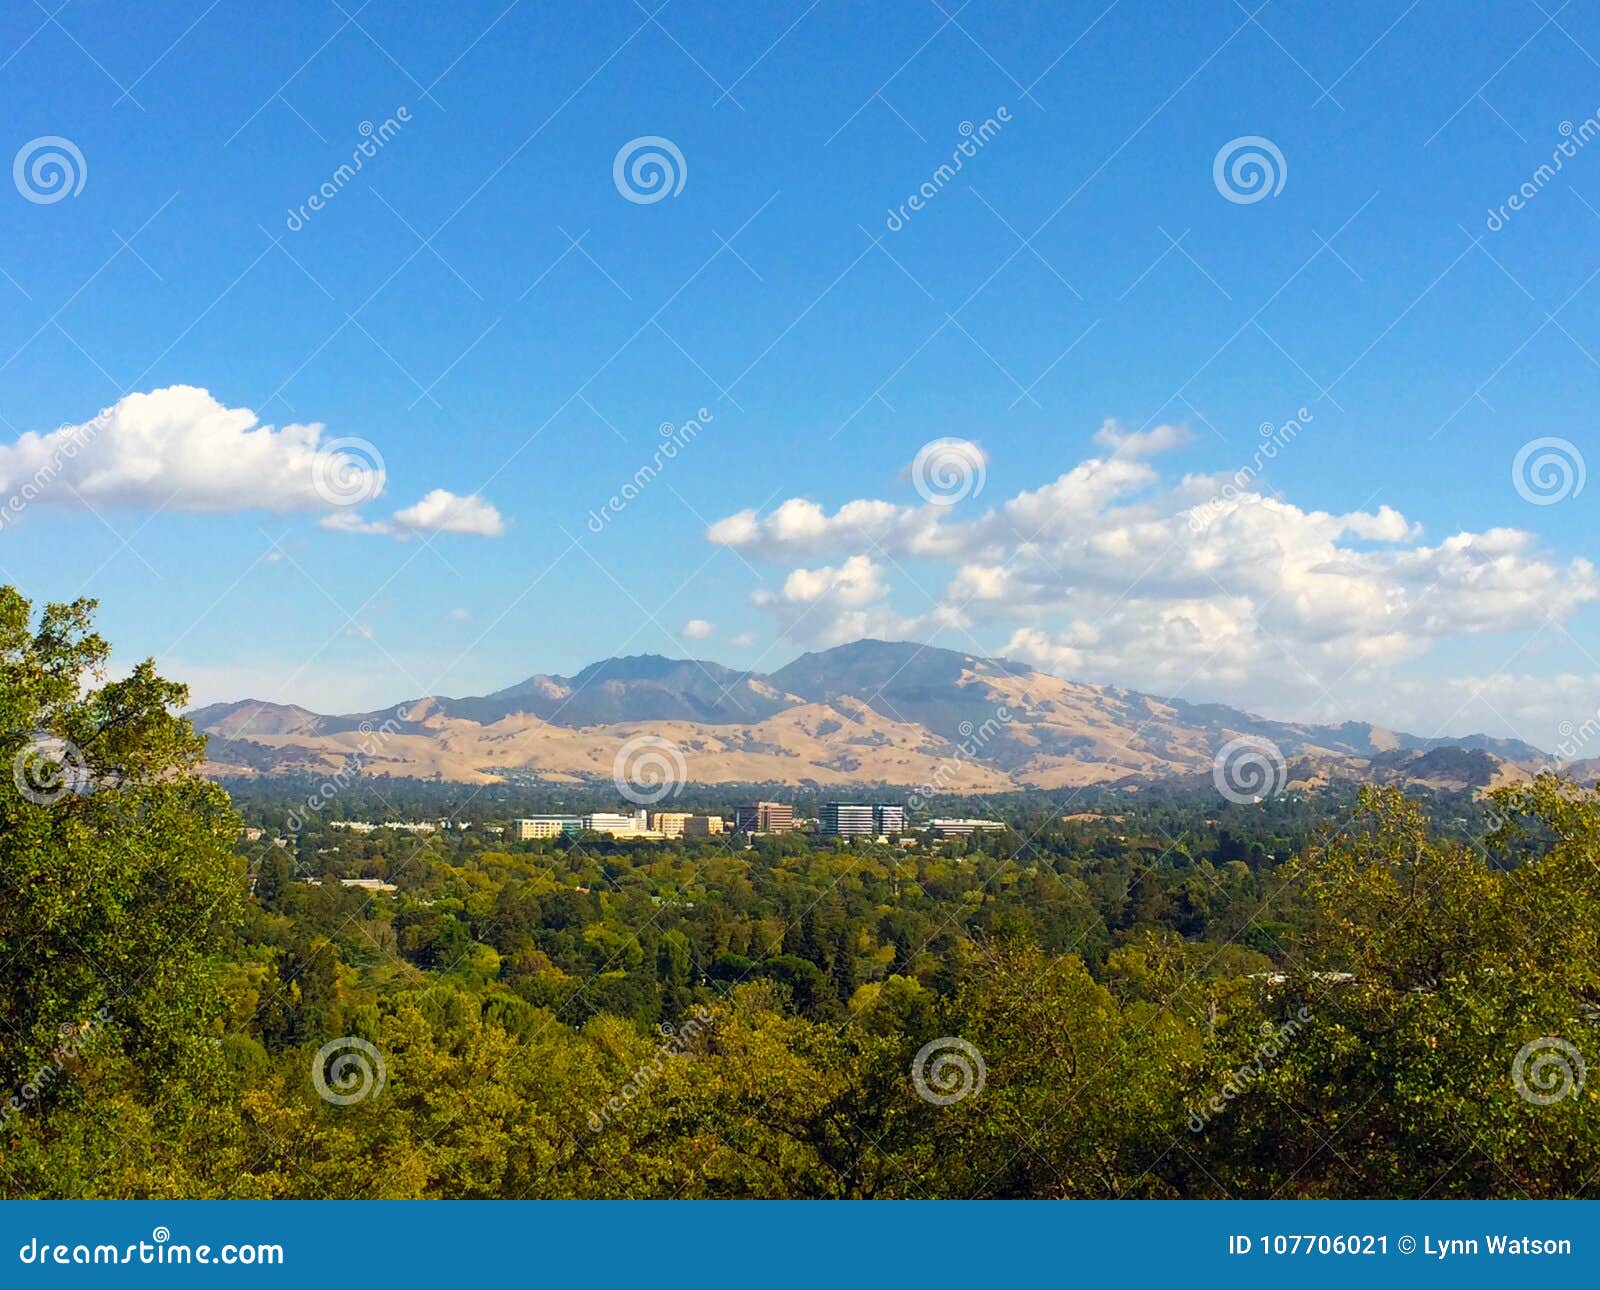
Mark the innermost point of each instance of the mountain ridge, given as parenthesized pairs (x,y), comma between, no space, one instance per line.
(888,712)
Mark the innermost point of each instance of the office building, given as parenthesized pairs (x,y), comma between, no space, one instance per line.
(544,826)
(636,825)
(670,824)
(703,826)
(965,828)
(846,819)
(860,819)
(764,817)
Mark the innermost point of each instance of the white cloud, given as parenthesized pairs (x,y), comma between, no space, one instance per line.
(1111,573)
(1141,443)
(441,511)
(350,522)
(179,449)
(696,629)
(744,640)
(832,605)
(457,616)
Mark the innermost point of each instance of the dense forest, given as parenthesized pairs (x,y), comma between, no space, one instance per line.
(1135,994)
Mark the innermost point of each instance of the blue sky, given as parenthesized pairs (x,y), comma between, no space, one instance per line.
(485,308)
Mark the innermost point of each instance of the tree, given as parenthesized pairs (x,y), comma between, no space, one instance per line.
(117,872)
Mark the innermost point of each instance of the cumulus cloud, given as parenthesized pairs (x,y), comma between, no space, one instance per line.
(831,605)
(180,449)
(441,511)
(696,629)
(1114,573)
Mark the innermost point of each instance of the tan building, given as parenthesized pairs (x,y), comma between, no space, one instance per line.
(703,826)
(670,824)
(544,826)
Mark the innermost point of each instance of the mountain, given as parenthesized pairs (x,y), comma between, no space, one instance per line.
(871,712)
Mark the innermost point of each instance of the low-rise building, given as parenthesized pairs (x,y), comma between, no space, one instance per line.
(670,824)
(703,826)
(534,827)
(636,825)
(965,828)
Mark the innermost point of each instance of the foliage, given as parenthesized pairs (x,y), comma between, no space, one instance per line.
(1170,998)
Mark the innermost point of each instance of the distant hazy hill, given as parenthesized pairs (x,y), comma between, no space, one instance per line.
(872,712)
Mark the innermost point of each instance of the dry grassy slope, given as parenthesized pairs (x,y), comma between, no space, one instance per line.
(873,712)
(841,743)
